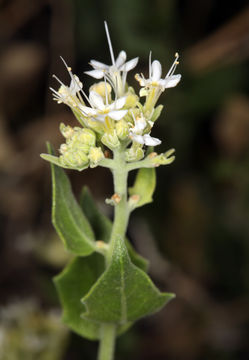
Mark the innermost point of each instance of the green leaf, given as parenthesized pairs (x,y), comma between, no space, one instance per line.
(123,293)
(144,186)
(71,284)
(68,219)
(74,282)
(136,259)
(56,161)
(102,227)
(51,158)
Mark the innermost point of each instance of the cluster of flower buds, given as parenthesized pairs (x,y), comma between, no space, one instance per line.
(112,114)
(79,151)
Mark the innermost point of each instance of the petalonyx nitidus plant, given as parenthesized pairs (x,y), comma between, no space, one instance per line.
(105,288)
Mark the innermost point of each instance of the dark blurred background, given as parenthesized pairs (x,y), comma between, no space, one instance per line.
(196,231)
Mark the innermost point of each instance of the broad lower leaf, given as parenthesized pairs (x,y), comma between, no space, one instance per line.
(68,219)
(123,293)
(74,282)
(144,186)
(71,284)
(102,227)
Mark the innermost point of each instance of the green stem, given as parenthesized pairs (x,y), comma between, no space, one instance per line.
(121,216)
(121,212)
(107,342)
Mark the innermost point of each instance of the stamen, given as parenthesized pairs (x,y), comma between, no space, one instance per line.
(106,95)
(173,66)
(69,69)
(54,91)
(109,43)
(59,81)
(85,95)
(150,64)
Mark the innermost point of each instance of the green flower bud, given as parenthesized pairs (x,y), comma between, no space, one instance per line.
(162,159)
(131,100)
(67,131)
(110,140)
(122,129)
(95,156)
(82,147)
(101,88)
(87,136)
(74,159)
(135,153)
(63,148)
(156,113)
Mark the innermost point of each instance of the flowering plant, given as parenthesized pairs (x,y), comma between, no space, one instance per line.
(105,288)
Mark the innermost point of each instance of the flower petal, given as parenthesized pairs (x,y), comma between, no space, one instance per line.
(137,138)
(88,111)
(75,85)
(151,141)
(129,65)
(119,103)
(96,100)
(140,125)
(117,114)
(172,81)
(97,74)
(97,65)
(100,117)
(156,70)
(120,59)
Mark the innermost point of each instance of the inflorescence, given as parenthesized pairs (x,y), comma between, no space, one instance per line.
(112,114)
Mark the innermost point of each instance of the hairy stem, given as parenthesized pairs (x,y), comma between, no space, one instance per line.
(121,217)
(107,342)
(121,211)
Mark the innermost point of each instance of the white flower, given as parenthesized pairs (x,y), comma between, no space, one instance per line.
(99,111)
(101,69)
(68,94)
(136,133)
(112,72)
(155,73)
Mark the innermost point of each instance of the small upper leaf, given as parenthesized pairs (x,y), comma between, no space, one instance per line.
(102,227)
(68,219)
(144,186)
(123,293)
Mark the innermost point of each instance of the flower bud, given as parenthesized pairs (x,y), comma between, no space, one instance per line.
(101,88)
(156,113)
(67,131)
(131,100)
(162,159)
(63,148)
(110,140)
(122,129)
(95,156)
(74,159)
(135,153)
(87,137)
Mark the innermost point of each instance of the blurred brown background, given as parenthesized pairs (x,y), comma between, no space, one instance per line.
(196,231)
